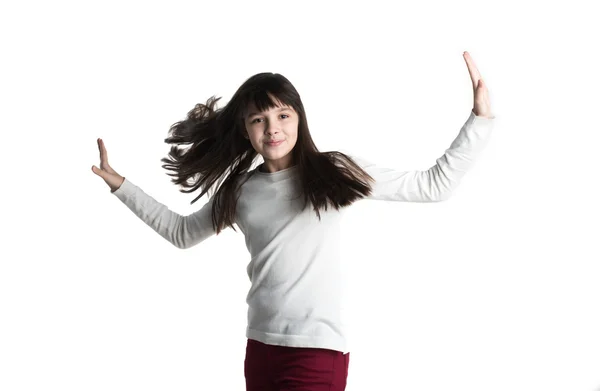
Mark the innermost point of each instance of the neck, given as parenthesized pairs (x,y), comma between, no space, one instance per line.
(262,168)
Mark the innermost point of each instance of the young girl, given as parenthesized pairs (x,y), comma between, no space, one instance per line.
(289,209)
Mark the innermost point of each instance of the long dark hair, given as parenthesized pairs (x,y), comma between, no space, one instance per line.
(219,153)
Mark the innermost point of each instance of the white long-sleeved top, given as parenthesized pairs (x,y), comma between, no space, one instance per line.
(297,296)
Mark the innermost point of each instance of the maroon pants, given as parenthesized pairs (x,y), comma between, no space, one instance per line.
(283,368)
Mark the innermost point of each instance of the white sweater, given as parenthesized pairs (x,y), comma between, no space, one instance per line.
(296,296)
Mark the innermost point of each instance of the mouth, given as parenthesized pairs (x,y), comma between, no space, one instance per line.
(274,143)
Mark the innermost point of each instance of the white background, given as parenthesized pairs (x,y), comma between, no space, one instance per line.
(497,288)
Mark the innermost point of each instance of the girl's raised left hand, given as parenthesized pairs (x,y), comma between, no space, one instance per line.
(481,105)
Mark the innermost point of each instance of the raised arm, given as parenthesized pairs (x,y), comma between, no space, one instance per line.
(438,182)
(181,231)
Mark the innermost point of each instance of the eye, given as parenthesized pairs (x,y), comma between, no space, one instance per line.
(254,120)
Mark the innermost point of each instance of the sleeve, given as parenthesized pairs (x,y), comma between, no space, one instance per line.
(438,182)
(181,231)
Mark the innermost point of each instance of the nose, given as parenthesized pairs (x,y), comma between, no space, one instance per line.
(272,128)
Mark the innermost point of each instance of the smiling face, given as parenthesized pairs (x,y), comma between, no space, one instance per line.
(279,123)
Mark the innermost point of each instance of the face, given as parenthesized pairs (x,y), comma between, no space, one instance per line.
(280,124)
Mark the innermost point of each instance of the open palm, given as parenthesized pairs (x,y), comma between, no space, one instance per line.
(481,98)
(106,172)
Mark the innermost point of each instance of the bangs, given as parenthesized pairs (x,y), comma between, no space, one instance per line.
(263,92)
(264,100)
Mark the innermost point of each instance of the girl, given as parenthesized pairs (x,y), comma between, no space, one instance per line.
(289,209)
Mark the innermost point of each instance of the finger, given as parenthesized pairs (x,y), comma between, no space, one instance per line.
(473,71)
(97,171)
(483,88)
(103,153)
(471,66)
(99,148)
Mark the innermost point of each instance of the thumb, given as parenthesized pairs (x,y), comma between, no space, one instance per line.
(97,171)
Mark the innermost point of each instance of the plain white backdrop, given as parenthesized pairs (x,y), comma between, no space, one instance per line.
(497,288)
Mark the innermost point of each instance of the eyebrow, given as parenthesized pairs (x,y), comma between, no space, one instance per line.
(280,110)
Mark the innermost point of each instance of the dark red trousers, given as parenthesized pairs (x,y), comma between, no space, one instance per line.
(283,368)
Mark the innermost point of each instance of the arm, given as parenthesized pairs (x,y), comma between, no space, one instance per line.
(438,182)
(181,231)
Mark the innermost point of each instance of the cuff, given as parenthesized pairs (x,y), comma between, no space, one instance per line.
(126,189)
(483,118)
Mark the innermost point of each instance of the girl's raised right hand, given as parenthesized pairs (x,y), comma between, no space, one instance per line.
(110,176)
